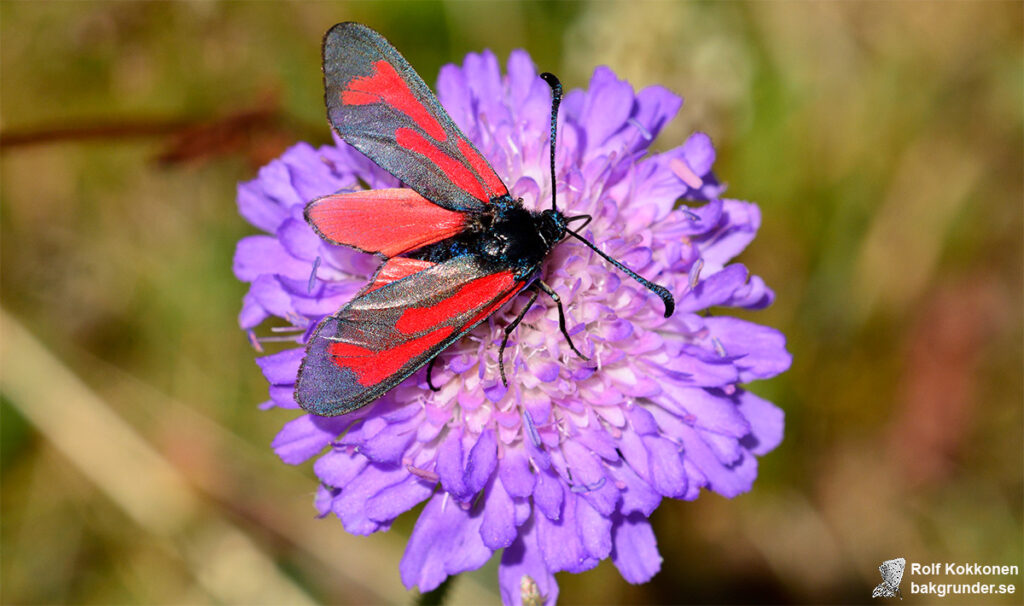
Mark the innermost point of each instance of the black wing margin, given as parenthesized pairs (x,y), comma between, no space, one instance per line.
(380,106)
(388,332)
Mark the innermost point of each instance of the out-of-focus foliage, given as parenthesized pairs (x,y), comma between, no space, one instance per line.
(883,142)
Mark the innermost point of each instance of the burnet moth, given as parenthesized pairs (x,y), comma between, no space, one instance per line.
(456,246)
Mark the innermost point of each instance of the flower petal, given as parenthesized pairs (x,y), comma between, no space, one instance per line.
(483,458)
(306,436)
(449,466)
(763,349)
(766,423)
(594,529)
(635,551)
(523,565)
(259,255)
(515,473)
(560,541)
(548,494)
(396,499)
(446,540)
(350,504)
(498,529)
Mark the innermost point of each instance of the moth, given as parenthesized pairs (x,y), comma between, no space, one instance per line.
(892,574)
(456,245)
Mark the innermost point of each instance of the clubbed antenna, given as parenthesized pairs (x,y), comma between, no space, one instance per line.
(556,100)
(661,291)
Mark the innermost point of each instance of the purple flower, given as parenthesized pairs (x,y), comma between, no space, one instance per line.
(561,469)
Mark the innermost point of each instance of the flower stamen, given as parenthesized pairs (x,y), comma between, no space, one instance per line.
(694,273)
(312,275)
(423,474)
(583,488)
(719,348)
(531,429)
(681,169)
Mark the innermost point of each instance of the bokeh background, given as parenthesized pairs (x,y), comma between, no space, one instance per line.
(882,140)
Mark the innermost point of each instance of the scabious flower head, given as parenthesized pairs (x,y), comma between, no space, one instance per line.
(561,469)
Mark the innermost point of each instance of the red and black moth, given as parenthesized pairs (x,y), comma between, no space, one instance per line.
(457,246)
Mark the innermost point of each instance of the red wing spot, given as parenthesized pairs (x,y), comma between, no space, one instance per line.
(386,86)
(372,367)
(388,221)
(355,97)
(482,168)
(494,306)
(396,269)
(452,168)
(472,295)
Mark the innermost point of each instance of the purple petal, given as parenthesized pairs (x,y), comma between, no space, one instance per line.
(589,478)
(754,295)
(637,494)
(740,222)
(655,107)
(483,458)
(498,529)
(666,466)
(597,440)
(706,410)
(308,174)
(252,313)
(282,367)
(523,559)
(594,529)
(306,436)
(766,423)
(446,540)
(454,94)
(351,505)
(258,255)
(515,473)
(726,448)
(548,494)
(324,499)
(337,469)
(699,153)
(726,480)
(268,291)
(258,209)
(642,421)
(390,444)
(763,349)
(484,77)
(714,290)
(449,466)
(394,500)
(560,542)
(609,102)
(696,372)
(283,396)
(299,240)
(635,551)
(529,93)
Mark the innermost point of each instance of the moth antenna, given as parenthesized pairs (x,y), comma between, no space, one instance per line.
(556,100)
(661,291)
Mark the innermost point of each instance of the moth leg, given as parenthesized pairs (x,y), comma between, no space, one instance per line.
(430,369)
(508,331)
(585,218)
(561,316)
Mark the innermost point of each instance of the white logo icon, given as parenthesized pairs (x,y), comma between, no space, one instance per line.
(892,574)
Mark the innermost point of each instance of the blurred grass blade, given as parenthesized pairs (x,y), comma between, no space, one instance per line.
(147,488)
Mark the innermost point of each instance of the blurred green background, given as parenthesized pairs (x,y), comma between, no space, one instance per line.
(882,140)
